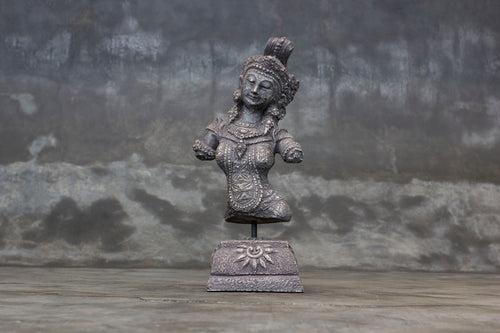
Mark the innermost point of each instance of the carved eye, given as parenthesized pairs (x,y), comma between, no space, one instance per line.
(266,84)
(251,78)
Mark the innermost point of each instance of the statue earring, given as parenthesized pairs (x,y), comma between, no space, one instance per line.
(237,95)
(275,111)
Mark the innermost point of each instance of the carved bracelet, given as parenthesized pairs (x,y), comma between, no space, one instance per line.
(204,148)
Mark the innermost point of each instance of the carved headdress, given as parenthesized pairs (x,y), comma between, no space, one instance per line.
(272,63)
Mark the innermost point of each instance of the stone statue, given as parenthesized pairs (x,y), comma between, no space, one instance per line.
(244,145)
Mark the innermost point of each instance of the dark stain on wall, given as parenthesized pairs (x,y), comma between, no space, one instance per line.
(407,201)
(448,262)
(187,182)
(302,211)
(346,213)
(166,212)
(421,228)
(102,223)
(3,231)
(441,215)
(419,222)
(295,229)
(190,180)
(465,242)
(215,203)
(100,171)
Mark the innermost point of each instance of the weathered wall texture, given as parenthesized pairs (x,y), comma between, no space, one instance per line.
(398,114)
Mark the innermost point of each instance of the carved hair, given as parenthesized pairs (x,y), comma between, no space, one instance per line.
(272,63)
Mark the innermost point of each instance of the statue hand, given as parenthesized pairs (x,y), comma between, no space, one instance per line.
(295,155)
(203,151)
(203,156)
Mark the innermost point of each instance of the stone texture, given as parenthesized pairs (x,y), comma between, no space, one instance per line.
(398,116)
(254,265)
(261,283)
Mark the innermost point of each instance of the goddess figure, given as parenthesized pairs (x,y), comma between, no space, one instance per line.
(244,145)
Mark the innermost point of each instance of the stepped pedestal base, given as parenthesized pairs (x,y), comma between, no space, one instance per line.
(254,265)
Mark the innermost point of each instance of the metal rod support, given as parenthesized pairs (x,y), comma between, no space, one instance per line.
(254,230)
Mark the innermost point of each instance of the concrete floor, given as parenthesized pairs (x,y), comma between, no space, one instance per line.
(174,300)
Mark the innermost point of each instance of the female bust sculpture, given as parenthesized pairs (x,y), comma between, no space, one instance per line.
(244,145)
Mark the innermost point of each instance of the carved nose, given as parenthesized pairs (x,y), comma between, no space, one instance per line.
(255,89)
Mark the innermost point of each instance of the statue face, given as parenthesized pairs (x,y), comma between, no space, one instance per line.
(258,90)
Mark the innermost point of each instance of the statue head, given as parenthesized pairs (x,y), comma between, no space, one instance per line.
(270,67)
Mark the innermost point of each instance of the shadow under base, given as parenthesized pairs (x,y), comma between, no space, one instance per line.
(254,265)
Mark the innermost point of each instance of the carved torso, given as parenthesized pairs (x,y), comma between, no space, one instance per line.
(246,154)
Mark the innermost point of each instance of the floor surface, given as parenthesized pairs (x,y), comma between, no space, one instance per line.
(174,300)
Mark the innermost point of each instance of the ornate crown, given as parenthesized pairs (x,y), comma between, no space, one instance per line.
(273,63)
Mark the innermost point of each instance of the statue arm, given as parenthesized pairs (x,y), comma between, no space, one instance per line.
(205,148)
(289,149)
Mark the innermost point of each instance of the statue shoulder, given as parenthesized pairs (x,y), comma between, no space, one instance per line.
(217,126)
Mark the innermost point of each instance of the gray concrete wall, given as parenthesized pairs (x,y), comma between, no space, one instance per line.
(398,114)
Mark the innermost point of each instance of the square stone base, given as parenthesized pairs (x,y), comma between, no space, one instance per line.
(254,265)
